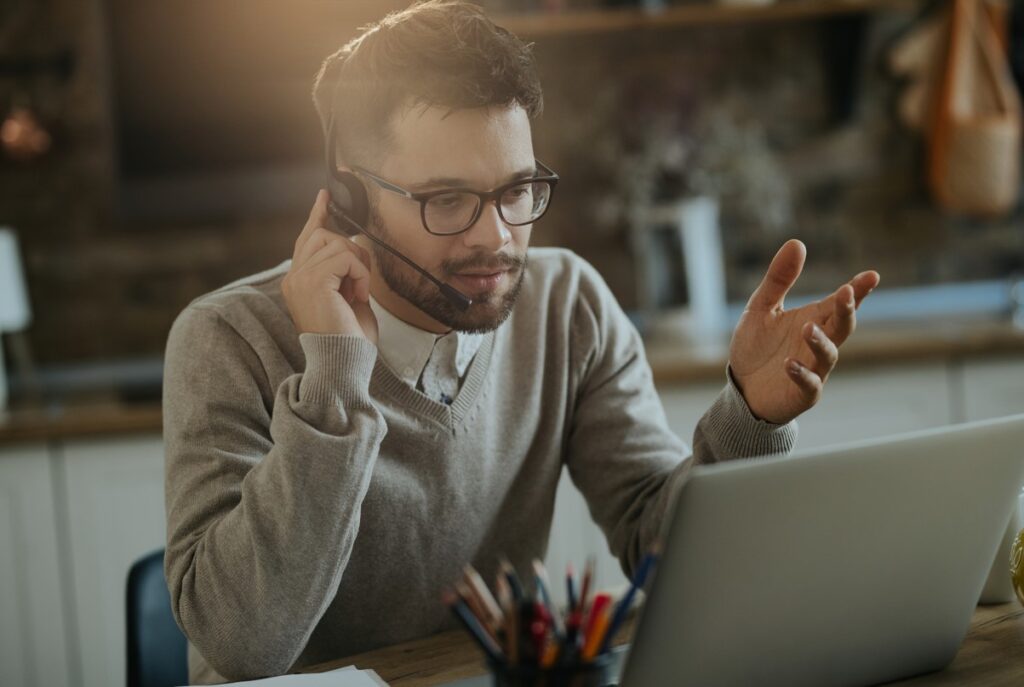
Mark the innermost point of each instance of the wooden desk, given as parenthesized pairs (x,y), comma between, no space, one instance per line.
(992,655)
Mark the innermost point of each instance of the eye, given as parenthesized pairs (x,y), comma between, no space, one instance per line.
(518,192)
(447,201)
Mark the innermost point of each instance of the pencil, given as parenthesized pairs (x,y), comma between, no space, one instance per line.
(542,586)
(472,625)
(513,579)
(511,626)
(588,577)
(601,601)
(570,587)
(467,596)
(623,606)
(595,637)
(483,594)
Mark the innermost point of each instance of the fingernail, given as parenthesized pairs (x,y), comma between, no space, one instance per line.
(795,367)
(816,331)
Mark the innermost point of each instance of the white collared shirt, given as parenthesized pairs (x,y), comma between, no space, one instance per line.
(432,363)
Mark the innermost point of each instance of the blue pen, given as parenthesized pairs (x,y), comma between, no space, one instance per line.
(623,607)
(570,587)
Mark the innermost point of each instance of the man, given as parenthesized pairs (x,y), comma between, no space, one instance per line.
(342,438)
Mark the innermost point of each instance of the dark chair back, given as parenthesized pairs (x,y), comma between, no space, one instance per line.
(157,650)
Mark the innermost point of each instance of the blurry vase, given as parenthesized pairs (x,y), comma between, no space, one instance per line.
(704,319)
(705,267)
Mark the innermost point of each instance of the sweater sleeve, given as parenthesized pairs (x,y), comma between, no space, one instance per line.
(622,455)
(262,503)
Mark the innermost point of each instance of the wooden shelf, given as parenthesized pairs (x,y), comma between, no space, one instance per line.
(605,21)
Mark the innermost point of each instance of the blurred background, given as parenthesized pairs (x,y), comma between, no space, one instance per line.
(152,151)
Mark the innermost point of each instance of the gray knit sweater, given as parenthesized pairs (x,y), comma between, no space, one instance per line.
(317,504)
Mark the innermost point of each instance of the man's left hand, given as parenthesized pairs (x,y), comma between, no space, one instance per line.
(780,359)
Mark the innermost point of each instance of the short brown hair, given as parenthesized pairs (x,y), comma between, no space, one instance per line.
(443,53)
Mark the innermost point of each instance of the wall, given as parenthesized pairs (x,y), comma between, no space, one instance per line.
(850,186)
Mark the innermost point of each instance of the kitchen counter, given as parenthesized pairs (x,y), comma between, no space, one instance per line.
(673,361)
(680,362)
(81,419)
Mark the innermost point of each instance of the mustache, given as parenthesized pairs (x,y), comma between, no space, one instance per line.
(495,263)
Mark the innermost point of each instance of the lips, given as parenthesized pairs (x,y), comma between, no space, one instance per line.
(481,281)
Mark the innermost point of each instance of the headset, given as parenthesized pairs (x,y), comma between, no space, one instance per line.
(349,205)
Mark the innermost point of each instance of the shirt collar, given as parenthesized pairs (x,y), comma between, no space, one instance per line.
(406,349)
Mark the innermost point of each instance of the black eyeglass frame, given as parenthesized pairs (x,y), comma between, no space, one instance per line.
(549,176)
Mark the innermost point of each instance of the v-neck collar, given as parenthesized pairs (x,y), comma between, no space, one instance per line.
(406,348)
(385,381)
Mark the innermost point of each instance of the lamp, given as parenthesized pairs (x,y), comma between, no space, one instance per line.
(14,309)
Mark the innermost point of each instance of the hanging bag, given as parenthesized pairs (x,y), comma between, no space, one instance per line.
(975,142)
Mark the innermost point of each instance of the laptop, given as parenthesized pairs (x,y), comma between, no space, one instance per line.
(849,565)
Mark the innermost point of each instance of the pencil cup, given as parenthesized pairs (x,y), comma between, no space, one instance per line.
(597,673)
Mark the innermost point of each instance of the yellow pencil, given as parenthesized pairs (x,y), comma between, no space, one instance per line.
(596,636)
(550,653)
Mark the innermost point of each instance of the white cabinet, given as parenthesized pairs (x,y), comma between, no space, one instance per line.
(993,388)
(74,516)
(33,644)
(115,504)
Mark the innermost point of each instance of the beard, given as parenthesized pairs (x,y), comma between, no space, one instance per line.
(485,314)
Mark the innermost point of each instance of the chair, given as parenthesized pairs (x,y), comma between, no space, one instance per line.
(157,649)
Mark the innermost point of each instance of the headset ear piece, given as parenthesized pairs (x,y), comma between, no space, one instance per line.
(348,202)
(348,199)
(359,203)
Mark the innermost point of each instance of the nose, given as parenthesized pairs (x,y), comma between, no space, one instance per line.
(489,231)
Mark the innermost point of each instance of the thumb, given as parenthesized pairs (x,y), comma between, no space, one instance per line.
(783,272)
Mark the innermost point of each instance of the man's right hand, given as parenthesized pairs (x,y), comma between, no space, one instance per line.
(327,288)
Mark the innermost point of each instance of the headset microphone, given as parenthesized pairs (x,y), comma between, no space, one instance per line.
(349,205)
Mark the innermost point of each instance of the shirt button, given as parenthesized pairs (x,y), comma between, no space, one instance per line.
(408,372)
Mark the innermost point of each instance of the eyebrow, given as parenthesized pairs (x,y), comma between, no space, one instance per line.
(455,182)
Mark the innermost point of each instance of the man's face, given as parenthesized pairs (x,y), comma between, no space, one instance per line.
(435,149)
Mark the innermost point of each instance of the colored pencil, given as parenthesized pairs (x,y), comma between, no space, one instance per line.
(483,595)
(511,627)
(472,625)
(588,578)
(513,579)
(543,585)
(639,577)
(595,636)
(570,587)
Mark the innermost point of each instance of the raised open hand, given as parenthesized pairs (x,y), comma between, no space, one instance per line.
(780,359)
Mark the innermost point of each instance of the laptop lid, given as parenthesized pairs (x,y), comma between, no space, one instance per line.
(849,565)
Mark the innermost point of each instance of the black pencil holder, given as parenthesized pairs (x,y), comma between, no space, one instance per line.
(597,673)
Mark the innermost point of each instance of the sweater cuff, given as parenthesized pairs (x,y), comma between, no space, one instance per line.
(732,427)
(338,368)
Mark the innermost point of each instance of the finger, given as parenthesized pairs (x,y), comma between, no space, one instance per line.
(346,290)
(318,239)
(844,315)
(808,383)
(783,272)
(863,284)
(317,218)
(342,264)
(363,254)
(826,353)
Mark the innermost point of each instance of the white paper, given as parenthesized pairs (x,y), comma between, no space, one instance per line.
(349,676)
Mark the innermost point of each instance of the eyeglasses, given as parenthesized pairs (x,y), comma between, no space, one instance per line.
(454,210)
